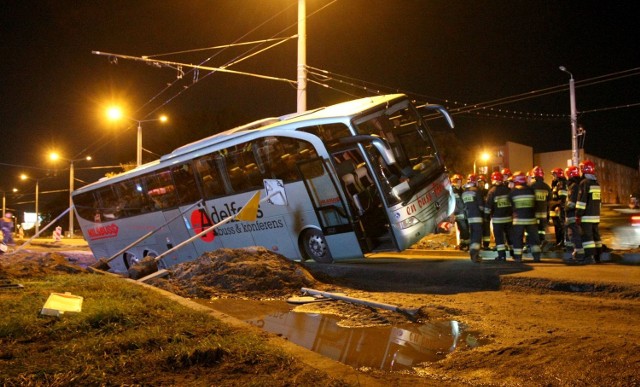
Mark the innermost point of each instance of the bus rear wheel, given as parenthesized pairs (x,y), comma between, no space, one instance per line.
(314,246)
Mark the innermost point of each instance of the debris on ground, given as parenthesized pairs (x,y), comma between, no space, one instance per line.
(252,272)
(28,264)
(443,241)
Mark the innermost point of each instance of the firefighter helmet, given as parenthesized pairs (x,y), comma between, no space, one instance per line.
(456,177)
(519,177)
(572,171)
(587,166)
(472,179)
(557,172)
(506,173)
(496,177)
(537,171)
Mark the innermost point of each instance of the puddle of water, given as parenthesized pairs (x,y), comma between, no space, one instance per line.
(391,348)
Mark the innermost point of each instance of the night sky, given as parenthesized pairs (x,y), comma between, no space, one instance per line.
(456,53)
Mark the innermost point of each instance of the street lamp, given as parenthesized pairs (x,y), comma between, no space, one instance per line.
(54,156)
(115,113)
(25,177)
(574,118)
(484,156)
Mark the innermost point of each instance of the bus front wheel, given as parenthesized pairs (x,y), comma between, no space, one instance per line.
(314,246)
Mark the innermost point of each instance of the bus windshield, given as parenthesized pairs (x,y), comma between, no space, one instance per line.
(416,157)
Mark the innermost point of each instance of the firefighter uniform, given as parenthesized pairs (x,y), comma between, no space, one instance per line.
(461,216)
(573,237)
(524,218)
(486,226)
(474,207)
(588,212)
(557,203)
(543,196)
(498,210)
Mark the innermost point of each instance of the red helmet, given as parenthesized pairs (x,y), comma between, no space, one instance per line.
(472,179)
(557,172)
(572,171)
(456,177)
(506,173)
(482,177)
(520,177)
(587,166)
(537,171)
(497,177)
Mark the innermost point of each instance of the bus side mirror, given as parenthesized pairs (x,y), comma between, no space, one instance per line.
(440,109)
(380,144)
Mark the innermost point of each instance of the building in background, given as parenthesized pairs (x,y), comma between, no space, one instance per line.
(619,182)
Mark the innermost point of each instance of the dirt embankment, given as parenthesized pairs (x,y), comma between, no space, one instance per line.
(536,335)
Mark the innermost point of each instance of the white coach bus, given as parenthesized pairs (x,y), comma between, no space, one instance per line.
(358,177)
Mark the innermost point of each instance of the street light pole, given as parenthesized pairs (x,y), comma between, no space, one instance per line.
(302,56)
(139,145)
(4,201)
(37,217)
(575,158)
(71,183)
(72,177)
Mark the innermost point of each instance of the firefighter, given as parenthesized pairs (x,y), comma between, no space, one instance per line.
(486,226)
(507,177)
(588,212)
(543,196)
(573,237)
(524,217)
(461,217)
(474,206)
(557,203)
(498,209)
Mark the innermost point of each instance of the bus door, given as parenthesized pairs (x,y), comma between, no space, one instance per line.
(333,215)
(369,214)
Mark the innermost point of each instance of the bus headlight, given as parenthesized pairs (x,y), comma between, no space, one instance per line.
(410,221)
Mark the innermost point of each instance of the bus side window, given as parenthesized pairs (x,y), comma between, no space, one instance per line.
(86,205)
(108,204)
(161,189)
(185,184)
(242,168)
(210,178)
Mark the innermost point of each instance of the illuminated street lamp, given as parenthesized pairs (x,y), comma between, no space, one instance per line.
(115,114)
(4,200)
(484,157)
(574,118)
(25,177)
(54,156)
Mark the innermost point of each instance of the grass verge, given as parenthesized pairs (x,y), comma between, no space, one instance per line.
(129,335)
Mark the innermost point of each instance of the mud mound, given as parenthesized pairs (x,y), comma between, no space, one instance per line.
(253,272)
(35,264)
(444,241)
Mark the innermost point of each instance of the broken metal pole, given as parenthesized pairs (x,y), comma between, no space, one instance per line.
(373,304)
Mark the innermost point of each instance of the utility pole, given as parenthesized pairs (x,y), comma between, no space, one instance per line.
(302,56)
(575,158)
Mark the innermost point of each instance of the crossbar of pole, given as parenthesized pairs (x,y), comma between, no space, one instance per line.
(197,67)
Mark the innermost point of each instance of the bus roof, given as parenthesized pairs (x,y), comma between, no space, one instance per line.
(340,110)
(344,109)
